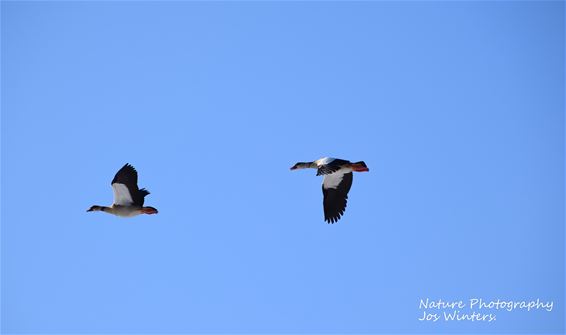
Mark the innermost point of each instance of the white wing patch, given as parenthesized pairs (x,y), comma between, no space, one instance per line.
(122,195)
(334,179)
(324,161)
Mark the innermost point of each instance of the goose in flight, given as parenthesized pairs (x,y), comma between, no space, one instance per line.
(336,183)
(128,199)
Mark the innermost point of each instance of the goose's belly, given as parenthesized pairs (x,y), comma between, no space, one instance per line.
(125,211)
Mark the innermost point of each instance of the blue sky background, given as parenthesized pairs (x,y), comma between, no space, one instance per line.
(457,108)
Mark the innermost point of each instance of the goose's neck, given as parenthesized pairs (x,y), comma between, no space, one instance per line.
(307,165)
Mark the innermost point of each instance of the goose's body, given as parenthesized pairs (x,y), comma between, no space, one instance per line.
(128,198)
(336,183)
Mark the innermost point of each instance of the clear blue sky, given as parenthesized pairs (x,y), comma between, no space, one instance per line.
(457,108)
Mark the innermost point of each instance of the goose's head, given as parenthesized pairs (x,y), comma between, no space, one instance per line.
(95,208)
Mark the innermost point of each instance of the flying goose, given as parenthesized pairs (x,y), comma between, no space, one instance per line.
(128,199)
(336,183)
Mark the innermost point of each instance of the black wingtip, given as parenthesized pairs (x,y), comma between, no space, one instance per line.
(129,166)
(333,219)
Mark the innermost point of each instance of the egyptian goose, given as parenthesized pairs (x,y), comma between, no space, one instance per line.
(336,183)
(128,199)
